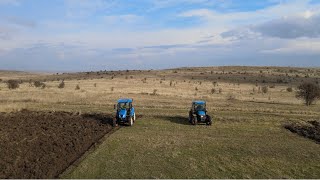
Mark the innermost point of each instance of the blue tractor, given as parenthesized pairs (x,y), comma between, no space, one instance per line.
(125,112)
(198,113)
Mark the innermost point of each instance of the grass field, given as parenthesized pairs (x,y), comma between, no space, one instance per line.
(246,140)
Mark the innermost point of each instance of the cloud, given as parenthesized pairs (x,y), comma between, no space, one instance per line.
(304,46)
(10,2)
(85,8)
(123,19)
(23,22)
(291,27)
(304,25)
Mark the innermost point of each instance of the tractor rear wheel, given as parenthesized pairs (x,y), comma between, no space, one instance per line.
(194,120)
(208,121)
(114,122)
(130,121)
(134,117)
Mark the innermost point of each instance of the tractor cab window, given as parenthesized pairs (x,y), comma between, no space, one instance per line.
(123,105)
(200,107)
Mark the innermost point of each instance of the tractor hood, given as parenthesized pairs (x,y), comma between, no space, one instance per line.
(123,113)
(201,113)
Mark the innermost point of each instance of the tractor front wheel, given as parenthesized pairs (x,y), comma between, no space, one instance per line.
(209,121)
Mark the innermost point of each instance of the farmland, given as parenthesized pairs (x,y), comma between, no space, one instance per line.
(246,140)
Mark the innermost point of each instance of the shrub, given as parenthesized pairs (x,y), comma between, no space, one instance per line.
(112,89)
(77,87)
(231,97)
(309,92)
(13,84)
(220,90)
(213,91)
(155,92)
(264,89)
(95,84)
(272,86)
(196,88)
(289,89)
(61,85)
(38,84)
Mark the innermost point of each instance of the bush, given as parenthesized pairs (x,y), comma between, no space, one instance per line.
(213,91)
(264,89)
(61,85)
(39,84)
(289,89)
(43,85)
(13,84)
(309,92)
(77,87)
(155,92)
(231,97)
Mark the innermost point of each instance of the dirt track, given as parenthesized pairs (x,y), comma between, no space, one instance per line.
(42,145)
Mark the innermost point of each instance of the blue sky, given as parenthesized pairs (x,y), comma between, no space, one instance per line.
(83,35)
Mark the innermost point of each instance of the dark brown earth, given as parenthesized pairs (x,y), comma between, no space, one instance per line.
(310,130)
(44,144)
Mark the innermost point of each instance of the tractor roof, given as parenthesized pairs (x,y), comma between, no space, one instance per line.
(199,102)
(125,101)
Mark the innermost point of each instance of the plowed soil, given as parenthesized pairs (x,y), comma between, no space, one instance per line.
(44,144)
(310,130)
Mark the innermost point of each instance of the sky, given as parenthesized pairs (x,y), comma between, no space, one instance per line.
(87,35)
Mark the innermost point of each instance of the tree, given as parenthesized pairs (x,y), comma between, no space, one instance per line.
(309,92)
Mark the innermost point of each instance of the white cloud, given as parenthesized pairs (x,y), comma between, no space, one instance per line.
(85,8)
(10,2)
(301,46)
(123,19)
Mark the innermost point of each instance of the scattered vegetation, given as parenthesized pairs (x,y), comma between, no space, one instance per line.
(77,87)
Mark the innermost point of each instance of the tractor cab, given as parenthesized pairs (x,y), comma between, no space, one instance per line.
(199,107)
(198,113)
(125,112)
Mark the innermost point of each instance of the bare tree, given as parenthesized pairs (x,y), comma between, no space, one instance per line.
(309,92)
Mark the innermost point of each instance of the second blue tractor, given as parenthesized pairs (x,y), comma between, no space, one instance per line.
(198,113)
(125,113)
